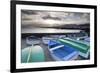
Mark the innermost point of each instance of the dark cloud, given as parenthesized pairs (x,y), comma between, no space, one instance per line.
(53,18)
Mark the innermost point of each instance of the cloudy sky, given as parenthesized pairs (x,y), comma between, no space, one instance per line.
(33,18)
